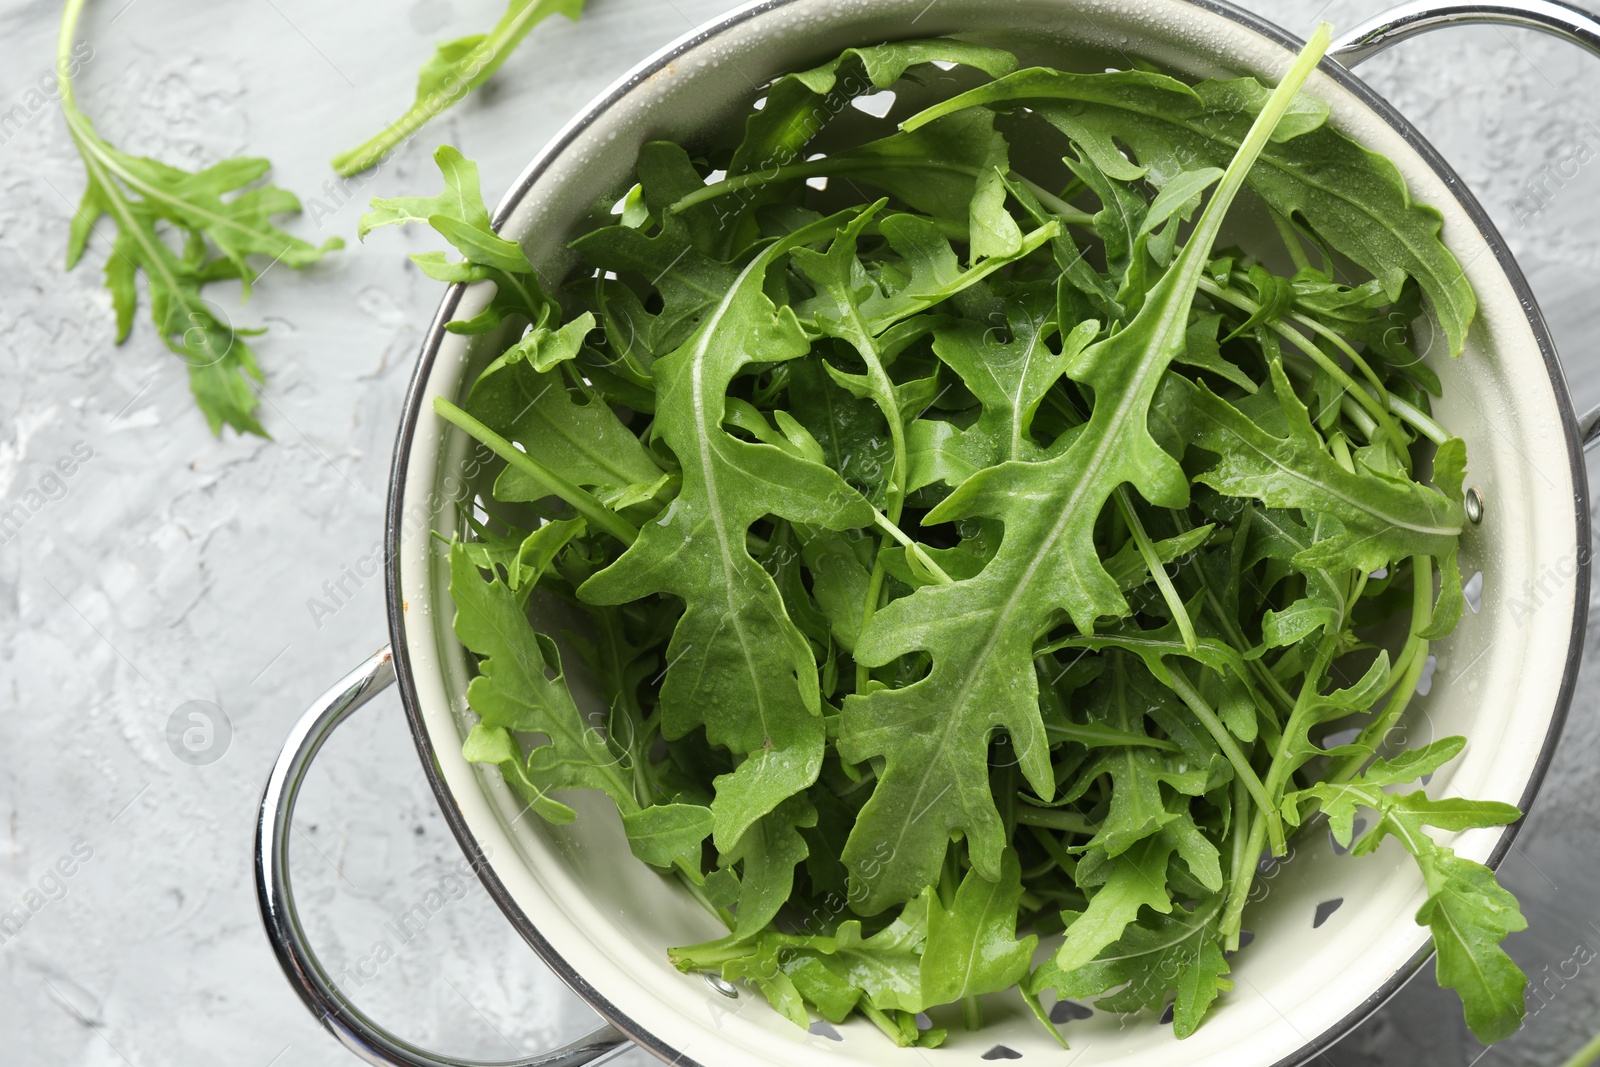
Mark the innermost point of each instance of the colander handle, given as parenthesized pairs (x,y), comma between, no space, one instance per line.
(1405,21)
(310,979)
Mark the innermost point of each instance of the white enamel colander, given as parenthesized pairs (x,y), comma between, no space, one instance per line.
(1335,937)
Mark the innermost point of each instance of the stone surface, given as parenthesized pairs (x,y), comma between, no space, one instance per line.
(177,568)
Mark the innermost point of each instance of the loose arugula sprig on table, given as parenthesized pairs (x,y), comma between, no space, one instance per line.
(455,69)
(971,558)
(220,239)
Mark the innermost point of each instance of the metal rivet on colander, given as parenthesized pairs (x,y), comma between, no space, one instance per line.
(722,986)
(1474,504)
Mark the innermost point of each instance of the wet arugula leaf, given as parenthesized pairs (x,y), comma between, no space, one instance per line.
(1354,199)
(980,564)
(221,219)
(1468,912)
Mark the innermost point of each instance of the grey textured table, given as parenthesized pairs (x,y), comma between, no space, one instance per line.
(178,567)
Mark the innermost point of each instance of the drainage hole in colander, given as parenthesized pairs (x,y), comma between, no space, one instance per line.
(876,104)
(923,1022)
(1472,589)
(1425,683)
(1000,1052)
(1340,737)
(722,986)
(823,1028)
(1325,909)
(1065,1011)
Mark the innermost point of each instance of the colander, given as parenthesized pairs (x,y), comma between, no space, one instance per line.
(1334,937)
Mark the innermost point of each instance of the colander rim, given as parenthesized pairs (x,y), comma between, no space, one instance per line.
(415,406)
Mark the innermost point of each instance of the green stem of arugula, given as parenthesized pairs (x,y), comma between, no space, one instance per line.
(1053,203)
(1309,691)
(1412,416)
(890,1028)
(1418,420)
(610,641)
(1338,341)
(1340,447)
(1105,736)
(971,1013)
(1291,240)
(1404,678)
(1277,774)
(1230,748)
(1586,1055)
(1158,570)
(486,58)
(1375,408)
(585,503)
(1055,819)
(912,548)
(69,26)
(883,395)
(1051,846)
(1231,631)
(1239,822)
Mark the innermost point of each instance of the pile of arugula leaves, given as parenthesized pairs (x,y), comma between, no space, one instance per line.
(971,558)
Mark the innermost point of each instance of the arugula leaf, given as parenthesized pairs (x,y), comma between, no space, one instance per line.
(1325,607)
(1009,376)
(524,561)
(949,171)
(666,834)
(1138,807)
(1467,911)
(737,664)
(456,68)
(1177,955)
(1383,518)
(1127,883)
(833,972)
(972,944)
(459,216)
(221,239)
(799,105)
(515,691)
(1353,197)
(769,851)
(980,631)
(585,442)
